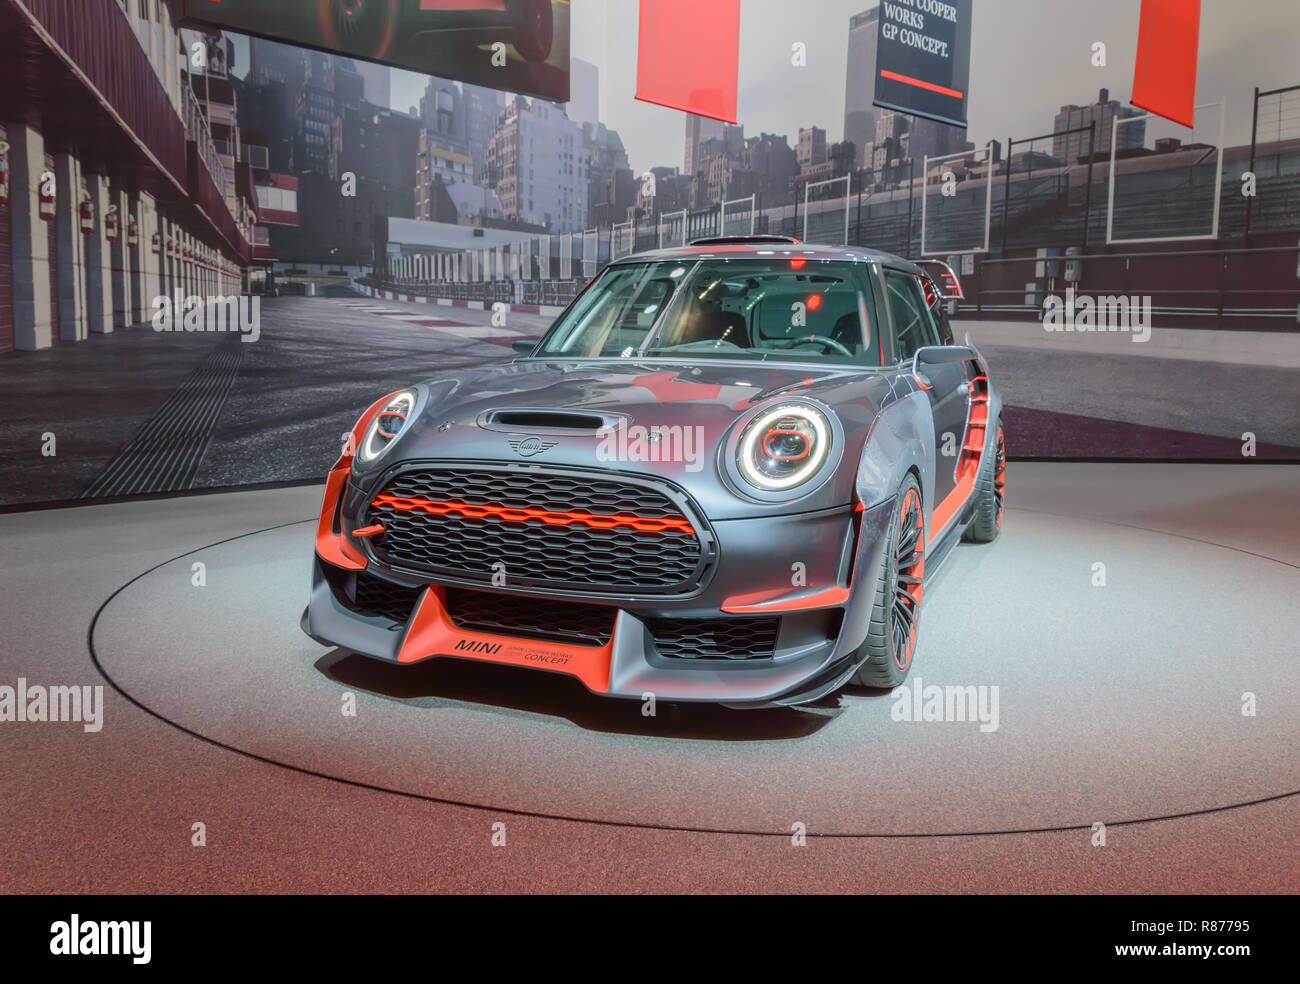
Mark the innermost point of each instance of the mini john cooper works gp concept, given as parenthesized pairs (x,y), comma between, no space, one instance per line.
(726,473)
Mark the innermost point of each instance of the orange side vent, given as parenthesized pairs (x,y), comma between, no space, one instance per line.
(972,448)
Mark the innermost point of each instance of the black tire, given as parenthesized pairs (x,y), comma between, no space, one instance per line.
(534,29)
(987,521)
(896,611)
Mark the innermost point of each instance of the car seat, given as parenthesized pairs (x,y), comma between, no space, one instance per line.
(713,325)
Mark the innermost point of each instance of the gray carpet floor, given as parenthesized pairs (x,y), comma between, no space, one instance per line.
(1118,704)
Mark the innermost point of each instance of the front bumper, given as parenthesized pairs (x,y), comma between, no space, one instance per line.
(801,569)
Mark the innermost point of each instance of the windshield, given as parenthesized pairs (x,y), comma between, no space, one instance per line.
(790,309)
(614,316)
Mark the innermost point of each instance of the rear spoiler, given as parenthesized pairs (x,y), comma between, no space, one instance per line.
(943,277)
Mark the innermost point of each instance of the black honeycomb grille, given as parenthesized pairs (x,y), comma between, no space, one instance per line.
(375,596)
(462,521)
(532,618)
(714,638)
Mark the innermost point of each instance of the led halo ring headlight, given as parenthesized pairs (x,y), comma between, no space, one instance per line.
(387,426)
(783,447)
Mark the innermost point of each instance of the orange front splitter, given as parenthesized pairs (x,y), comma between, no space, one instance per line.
(432,633)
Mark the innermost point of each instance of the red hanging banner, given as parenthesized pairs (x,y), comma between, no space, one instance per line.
(1164,77)
(688,56)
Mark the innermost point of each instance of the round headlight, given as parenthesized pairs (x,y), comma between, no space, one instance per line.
(387,425)
(784,447)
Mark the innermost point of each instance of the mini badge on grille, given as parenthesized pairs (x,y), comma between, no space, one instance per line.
(529,446)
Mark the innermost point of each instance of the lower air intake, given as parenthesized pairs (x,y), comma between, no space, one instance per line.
(531,618)
(715,638)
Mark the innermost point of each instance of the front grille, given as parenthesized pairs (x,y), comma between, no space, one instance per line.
(569,530)
(715,638)
(375,596)
(532,618)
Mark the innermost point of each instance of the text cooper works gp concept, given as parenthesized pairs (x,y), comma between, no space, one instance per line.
(843,445)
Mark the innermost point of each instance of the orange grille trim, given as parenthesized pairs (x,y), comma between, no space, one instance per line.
(644,524)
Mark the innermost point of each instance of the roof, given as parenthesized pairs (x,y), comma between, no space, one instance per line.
(731,251)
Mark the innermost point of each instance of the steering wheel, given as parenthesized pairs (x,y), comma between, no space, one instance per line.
(822,340)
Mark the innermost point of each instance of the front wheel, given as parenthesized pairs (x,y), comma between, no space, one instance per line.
(896,614)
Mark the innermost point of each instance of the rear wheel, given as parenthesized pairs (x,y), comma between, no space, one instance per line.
(896,614)
(987,521)
(533,29)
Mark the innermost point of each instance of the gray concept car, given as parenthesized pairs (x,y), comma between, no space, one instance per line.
(725,473)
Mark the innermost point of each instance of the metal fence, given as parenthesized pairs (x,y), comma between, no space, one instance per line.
(1253,287)
(1022,213)
(738,216)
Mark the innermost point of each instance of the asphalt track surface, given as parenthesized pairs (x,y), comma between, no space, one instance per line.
(1119,704)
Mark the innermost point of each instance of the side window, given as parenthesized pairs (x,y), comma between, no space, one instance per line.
(913,326)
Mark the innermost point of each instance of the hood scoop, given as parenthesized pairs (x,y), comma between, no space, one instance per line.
(517,419)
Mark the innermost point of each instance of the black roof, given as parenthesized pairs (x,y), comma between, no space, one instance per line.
(723,240)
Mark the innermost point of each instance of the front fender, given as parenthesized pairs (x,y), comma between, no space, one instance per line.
(901,440)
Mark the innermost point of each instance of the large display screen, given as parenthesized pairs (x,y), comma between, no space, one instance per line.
(517,45)
(923,58)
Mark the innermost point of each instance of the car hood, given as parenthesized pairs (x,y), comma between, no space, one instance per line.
(572,407)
